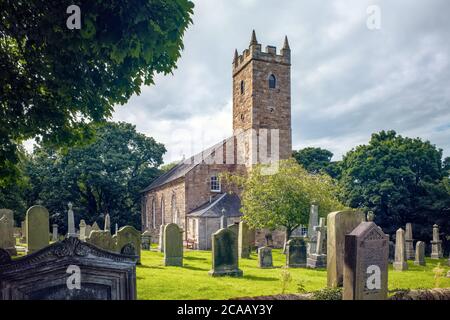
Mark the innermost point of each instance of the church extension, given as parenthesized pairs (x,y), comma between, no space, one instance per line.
(190,194)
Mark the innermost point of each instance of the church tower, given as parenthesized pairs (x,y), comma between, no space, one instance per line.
(262,95)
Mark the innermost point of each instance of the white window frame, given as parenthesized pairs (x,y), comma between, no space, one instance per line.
(214,181)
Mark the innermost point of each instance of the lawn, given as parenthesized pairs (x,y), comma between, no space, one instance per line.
(154,281)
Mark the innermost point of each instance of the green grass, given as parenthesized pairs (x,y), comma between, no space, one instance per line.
(154,281)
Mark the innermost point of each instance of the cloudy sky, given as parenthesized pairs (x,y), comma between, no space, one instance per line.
(347,81)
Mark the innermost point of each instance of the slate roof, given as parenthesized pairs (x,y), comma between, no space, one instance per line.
(214,209)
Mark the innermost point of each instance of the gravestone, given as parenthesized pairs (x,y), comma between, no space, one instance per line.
(107,223)
(436,244)
(312,233)
(265,257)
(318,259)
(296,253)
(146,240)
(71,232)
(366,263)
(173,245)
(223,222)
(339,224)
(225,260)
(102,240)
(128,239)
(83,234)
(88,231)
(7,240)
(409,242)
(391,251)
(244,248)
(420,254)
(95,227)
(54,232)
(49,271)
(37,221)
(117,228)
(161,238)
(400,251)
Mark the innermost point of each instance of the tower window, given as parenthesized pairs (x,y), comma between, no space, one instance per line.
(242,87)
(215,184)
(272,81)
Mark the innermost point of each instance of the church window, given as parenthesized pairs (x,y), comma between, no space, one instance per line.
(242,87)
(272,81)
(215,184)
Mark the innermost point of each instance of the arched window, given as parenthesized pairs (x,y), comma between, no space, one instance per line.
(242,87)
(162,211)
(153,213)
(272,81)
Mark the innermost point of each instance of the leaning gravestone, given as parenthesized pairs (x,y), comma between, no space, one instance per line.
(400,251)
(265,257)
(146,240)
(128,239)
(296,253)
(225,261)
(37,221)
(436,244)
(173,245)
(366,263)
(7,240)
(49,274)
(244,248)
(101,239)
(339,224)
(420,254)
(409,242)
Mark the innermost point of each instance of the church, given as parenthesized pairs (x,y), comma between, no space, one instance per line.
(191,193)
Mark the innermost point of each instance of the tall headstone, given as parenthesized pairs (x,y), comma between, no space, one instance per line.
(312,233)
(339,224)
(366,263)
(173,245)
(146,240)
(7,240)
(83,234)
(161,238)
(225,260)
(54,232)
(244,248)
(107,223)
(296,253)
(420,254)
(265,259)
(409,242)
(436,244)
(128,241)
(37,225)
(318,259)
(400,251)
(71,232)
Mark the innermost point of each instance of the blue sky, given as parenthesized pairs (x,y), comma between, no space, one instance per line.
(347,81)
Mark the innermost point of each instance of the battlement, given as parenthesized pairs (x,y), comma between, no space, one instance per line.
(254,52)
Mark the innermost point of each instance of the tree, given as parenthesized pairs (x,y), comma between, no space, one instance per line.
(55,81)
(316,160)
(401,180)
(105,176)
(284,198)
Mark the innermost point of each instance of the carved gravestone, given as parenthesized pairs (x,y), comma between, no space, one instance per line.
(244,247)
(146,240)
(339,224)
(225,261)
(102,239)
(7,240)
(366,252)
(436,244)
(318,259)
(409,241)
(265,257)
(296,253)
(400,251)
(38,229)
(127,239)
(173,245)
(68,270)
(420,254)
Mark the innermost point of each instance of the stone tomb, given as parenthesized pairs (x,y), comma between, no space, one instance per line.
(52,274)
(173,245)
(366,254)
(420,254)
(7,240)
(128,241)
(265,257)
(400,251)
(38,229)
(436,244)
(339,224)
(296,253)
(225,261)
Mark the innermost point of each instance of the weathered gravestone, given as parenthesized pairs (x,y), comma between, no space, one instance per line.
(366,253)
(161,238)
(95,227)
(225,260)
(146,240)
(71,232)
(107,223)
(296,253)
(68,270)
(244,246)
(312,233)
(420,254)
(83,234)
(318,259)
(436,244)
(173,245)
(88,231)
(102,239)
(409,242)
(339,224)
(400,251)
(37,221)
(54,232)
(128,241)
(265,257)
(7,240)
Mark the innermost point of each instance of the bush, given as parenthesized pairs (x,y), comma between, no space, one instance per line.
(328,294)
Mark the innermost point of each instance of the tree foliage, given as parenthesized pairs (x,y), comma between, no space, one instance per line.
(316,160)
(55,81)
